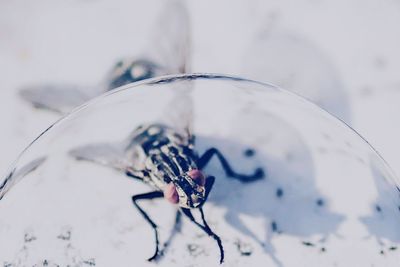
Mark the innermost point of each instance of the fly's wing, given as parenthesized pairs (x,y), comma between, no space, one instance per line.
(179,112)
(173,51)
(121,156)
(169,43)
(57,98)
(110,155)
(17,174)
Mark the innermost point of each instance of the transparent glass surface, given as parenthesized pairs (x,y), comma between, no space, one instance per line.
(328,199)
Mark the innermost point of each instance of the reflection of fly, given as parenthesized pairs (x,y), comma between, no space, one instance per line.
(165,159)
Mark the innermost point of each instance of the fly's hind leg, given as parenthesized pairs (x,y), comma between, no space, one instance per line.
(206,157)
(150,195)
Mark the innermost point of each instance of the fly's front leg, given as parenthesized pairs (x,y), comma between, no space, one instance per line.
(208,186)
(206,157)
(137,174)
(206,229)
(151,195)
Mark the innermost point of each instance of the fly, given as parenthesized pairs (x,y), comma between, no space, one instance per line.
(166,52)
(165,159)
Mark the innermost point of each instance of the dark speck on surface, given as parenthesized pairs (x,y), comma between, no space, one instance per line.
(392,248)
(249,152)
(274,226)
(279,192)
(320,202)
(90,262)
(29,238)
(323,249)
(195,250)
(378,208)
(382,252)
(65,236)
(244,248)
(308,244)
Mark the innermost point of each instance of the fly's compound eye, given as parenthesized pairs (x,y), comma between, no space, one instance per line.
(197,176)
(171,194)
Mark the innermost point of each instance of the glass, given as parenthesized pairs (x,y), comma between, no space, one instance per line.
(327,198)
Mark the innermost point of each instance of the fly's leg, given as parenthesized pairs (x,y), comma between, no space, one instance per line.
(137,174)
(206,229)
(150,195)
(208,186)
(206,157)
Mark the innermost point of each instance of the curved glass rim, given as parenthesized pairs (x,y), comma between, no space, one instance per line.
(194,76)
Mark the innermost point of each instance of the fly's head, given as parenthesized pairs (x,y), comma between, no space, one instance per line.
(128,71)
(187,190)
